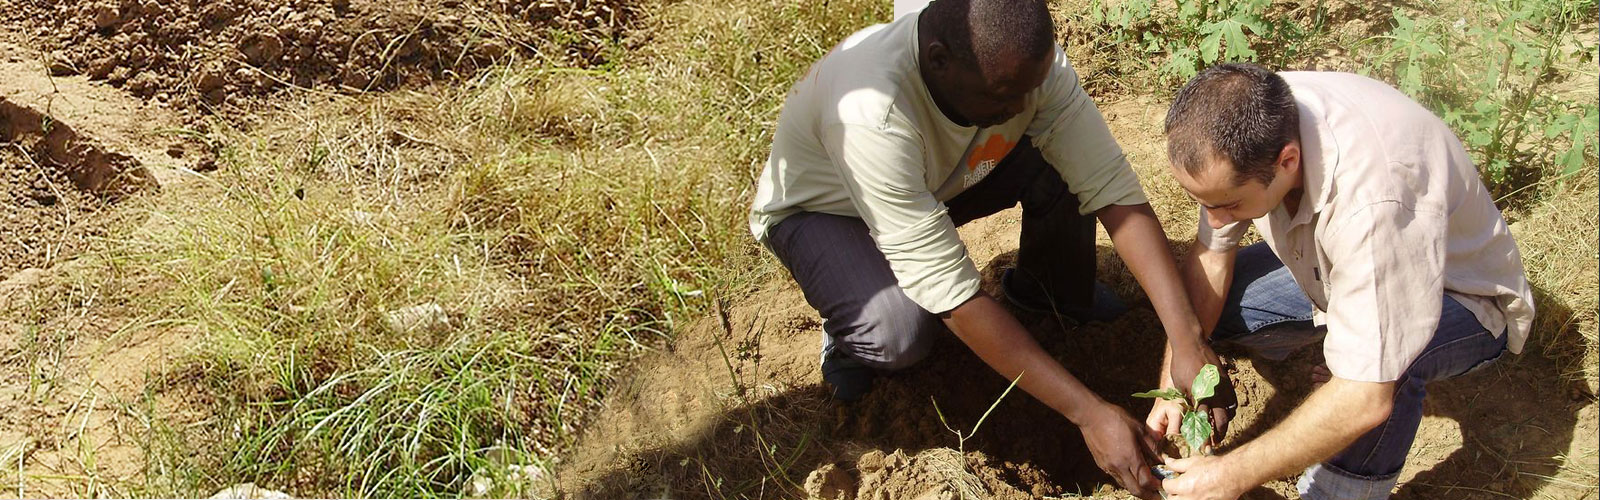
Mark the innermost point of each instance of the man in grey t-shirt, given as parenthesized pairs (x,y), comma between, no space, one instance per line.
(905,131)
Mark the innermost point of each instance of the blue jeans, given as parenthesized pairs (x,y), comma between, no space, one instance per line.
(1267,312)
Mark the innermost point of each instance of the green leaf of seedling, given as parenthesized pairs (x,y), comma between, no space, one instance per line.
(1168,393)
(1196,430)
(1479,138)
(1152,43)
(1205,383)
(1189,10)
(1560,125)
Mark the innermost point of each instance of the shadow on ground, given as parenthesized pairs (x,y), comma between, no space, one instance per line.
(1516,420)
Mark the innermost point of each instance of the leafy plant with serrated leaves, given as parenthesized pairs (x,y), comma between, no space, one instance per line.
(1493,82)
(1179,38)
(1196,427)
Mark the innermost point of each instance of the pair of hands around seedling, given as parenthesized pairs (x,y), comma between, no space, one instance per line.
(1190,416)
(1201,423)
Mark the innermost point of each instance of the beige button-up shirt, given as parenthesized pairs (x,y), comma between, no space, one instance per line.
(1392,219)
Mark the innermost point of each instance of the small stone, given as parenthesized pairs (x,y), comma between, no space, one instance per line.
(101,68)
(418,318)
(210,80)
(479,486)
(106,16)
(62,67)
(262,49)
(120,74)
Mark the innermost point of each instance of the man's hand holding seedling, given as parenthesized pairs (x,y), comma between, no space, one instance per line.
(1202,486)
(1190,419)
(1333,417)
(1166,416)
(1188,416)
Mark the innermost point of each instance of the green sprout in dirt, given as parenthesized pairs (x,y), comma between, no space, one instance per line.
(1196,426)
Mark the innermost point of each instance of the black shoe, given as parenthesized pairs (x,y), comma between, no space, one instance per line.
(1107,305)
(849,378)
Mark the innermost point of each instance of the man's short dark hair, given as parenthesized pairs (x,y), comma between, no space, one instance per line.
(982,30)
(1240,112)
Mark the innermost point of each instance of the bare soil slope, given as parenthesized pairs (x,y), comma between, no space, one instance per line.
(73,406)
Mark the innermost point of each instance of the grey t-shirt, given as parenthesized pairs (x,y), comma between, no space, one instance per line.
(860,136)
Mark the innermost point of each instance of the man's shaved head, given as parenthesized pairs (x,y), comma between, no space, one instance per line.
(988,31)
(981,58)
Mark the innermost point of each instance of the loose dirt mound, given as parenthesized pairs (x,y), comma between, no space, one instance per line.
(41,207)
(935,474)
(52,180)
(195,52)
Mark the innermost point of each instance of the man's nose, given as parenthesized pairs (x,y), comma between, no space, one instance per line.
(1217,219)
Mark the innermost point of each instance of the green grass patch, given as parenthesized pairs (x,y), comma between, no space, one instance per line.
(546,224)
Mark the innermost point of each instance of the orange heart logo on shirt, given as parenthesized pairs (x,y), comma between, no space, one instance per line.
(984,158)
(992,150)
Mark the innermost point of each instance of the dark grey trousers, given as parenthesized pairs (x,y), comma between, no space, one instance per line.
(869,318)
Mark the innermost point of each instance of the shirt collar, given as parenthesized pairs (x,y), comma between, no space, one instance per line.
(1319,156)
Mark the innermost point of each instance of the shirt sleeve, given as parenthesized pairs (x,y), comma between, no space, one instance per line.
(1221,239)
(1385,289)
(1073,137)
(883,172)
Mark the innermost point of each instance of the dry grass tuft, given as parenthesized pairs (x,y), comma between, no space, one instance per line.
(1557,236)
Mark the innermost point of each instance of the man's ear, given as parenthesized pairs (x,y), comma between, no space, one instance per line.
(1289,159)
(939,56)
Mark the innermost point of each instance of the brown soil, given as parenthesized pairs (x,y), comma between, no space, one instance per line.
(736,408)
(45,215)
(74,411)
(199,54)
(52,181)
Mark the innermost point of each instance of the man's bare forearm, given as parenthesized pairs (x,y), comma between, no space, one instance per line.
(1137,236)
(1207,274)
(997,338)
(1332,418)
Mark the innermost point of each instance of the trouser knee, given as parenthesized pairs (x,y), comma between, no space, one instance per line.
(890,333)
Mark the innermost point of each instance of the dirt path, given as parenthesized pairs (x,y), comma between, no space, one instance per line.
(737,408)
(74,410)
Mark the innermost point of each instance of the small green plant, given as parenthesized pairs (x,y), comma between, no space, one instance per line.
(961,438)
(1196,426)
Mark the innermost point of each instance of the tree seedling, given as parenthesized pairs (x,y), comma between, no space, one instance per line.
(1196,425)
